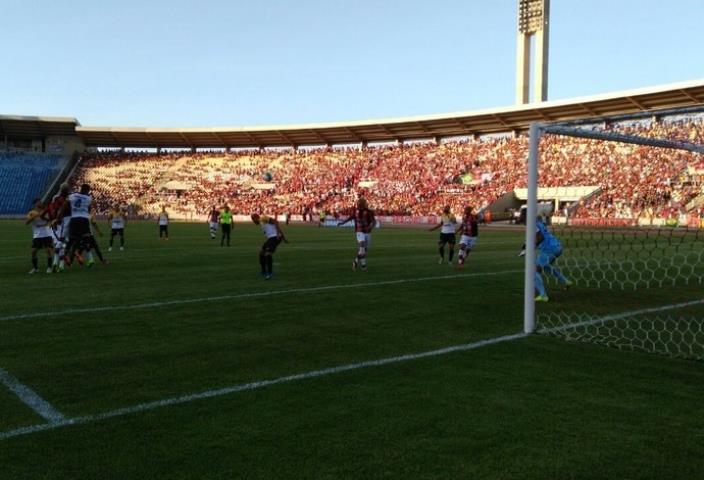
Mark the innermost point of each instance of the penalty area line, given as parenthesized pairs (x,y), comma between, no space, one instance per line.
(143,407)
(30,398)
(237,296)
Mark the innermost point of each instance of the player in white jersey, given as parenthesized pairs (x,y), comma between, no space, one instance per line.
(274,236)
(163,224)
(118,220)
(79,227)
(42,235)
(447,224)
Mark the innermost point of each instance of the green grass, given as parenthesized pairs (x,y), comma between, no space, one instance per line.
(532,408)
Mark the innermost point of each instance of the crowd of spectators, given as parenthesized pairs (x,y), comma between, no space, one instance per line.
(407,179)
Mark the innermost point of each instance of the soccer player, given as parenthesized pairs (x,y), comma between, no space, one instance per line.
(274,236)
(79,226)
(90,244)
(364,223)
(60,226)
(447,225)
(226,225)
(42,236)
(117,219)
(213,218)
(163,224)
(548,249)
(469,231)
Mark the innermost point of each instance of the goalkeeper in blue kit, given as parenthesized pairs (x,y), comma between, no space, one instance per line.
(547,249)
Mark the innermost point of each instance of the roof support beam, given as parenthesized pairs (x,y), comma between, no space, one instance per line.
(690,96)
(636,103)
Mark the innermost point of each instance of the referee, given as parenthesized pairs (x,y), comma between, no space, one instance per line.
(225,225)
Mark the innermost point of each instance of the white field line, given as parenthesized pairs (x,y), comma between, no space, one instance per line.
(30,398)
(620,316)
(252,386)
(315,373)
(237,296)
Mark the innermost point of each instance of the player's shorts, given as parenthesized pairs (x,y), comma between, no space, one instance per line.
(118,231)
(365,238)
(213,225)
(271,244)
(79,227)
(163,229)
(42,242)
(468,241)
(447,238)
(545,256)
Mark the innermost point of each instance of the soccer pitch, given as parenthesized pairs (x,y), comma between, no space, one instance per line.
(179,361)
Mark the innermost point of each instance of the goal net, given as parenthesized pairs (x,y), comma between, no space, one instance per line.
(614,246)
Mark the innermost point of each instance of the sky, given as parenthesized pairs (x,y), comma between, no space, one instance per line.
(199,63)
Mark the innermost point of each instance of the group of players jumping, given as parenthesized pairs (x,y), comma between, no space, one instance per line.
(65,230)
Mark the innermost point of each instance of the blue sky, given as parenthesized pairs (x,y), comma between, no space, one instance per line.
(225,63)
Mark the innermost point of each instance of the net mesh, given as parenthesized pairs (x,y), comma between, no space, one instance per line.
(632,249)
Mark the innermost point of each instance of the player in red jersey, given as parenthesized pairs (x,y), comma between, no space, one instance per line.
(213,220)
(364,223)
(469,230)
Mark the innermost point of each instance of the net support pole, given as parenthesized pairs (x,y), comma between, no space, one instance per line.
(531,213)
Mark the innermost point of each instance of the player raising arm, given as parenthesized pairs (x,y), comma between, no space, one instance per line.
(548,249)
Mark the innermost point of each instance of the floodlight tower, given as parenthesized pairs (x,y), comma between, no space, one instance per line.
(533,20)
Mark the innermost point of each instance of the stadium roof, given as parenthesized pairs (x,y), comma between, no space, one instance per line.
(31,127)
(477,122)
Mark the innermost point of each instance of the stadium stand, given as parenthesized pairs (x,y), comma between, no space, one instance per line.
(25,176)
(408,179)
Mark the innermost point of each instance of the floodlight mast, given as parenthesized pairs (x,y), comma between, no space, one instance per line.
(533,20)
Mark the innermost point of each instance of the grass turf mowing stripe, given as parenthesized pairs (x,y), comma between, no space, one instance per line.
(139,306)
(30,398)
(315,373)
(142,407)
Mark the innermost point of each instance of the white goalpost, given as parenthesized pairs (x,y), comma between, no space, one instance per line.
(640,257)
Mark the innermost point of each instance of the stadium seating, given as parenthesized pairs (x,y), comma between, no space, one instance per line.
(414,179)
(24,176)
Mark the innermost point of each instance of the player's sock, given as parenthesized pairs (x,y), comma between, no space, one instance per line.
(460,257)
(539,285)
(49,262)
(35,262)
(363,262)
(442,252)
(262,263)
(269,264)
(450,254)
